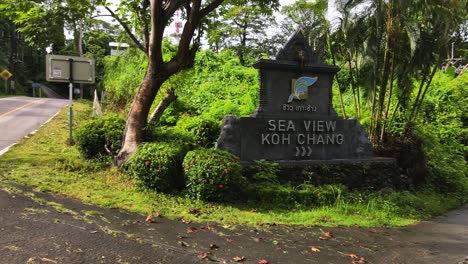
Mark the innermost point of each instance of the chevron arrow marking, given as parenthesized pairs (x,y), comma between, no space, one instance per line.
(297,151)
(303,151)
(310,151)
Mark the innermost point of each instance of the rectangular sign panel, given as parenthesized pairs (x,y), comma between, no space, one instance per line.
(58,69)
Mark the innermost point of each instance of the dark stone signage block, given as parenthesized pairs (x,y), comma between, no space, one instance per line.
(302,139)
(295,119)
(276,88)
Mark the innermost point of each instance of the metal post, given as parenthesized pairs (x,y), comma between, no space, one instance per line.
(72,142)
(6,87)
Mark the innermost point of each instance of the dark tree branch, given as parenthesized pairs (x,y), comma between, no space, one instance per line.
(157,31)
(171,7)
(210,7)
(127,29)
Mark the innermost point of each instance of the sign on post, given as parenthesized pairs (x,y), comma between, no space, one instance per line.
(5,75)
(70,69)
(58,69)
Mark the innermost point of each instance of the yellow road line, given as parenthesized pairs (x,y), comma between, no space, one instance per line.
(18,108)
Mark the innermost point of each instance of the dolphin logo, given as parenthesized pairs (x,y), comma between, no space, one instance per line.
(299,88)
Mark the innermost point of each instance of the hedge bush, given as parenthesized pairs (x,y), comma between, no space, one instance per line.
(157,166)
(92,137)
(213,175)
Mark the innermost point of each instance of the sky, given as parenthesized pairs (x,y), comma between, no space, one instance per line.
(331,14)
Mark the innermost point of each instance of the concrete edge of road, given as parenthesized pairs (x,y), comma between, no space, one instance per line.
(5,150)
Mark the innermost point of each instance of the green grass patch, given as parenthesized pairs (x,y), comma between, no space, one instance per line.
(45,162)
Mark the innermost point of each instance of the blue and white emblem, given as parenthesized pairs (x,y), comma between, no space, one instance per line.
(299,88)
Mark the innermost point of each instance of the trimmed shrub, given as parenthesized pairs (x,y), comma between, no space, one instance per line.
(213,175)
(90,139)
(157,166)
(94,135)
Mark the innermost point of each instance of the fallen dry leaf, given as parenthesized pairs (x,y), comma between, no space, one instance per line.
(323,238)
(353,256)
(260,223)
(149,219)
(186,221)
(328,234)
(191,229)
(373,231)
(258,239)
(263,261)
(203,255)
(314,249)
(238,259)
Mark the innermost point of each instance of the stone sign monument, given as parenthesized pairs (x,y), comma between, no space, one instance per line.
(295,119)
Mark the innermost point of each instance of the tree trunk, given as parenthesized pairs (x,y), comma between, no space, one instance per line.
(416,101)
(389,100)
(138,115)
(166,101)
(382,94)
(434,70)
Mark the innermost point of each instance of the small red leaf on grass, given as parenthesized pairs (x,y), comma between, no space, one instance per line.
(314,249)
(238,259)
(263,261)
(328,234)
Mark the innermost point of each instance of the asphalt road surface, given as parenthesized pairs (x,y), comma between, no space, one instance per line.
(19,116)
(39,227)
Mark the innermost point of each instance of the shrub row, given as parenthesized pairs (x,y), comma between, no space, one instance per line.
(210,174)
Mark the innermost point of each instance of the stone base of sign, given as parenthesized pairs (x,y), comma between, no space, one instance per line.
(279,139)
(356,174)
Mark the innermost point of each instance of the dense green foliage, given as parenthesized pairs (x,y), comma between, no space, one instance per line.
(218,85)
(157,166)
(122,75)
(94,136)
(213,175)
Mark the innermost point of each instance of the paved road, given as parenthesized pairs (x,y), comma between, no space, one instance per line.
(20,116)
(40,227)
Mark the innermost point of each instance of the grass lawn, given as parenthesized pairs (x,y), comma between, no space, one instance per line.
(45,162)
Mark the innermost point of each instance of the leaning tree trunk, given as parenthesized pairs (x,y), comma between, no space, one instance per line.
(165,102)
(134,132)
